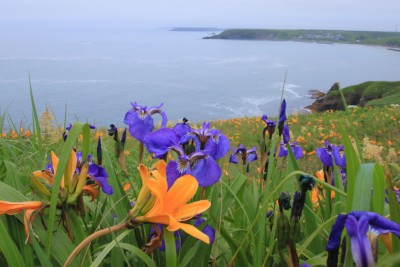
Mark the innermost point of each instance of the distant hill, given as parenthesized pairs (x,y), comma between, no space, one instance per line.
(377,93)
(389,39)
(196,29)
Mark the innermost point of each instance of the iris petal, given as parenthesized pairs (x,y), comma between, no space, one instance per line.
(159,142)
(206,171)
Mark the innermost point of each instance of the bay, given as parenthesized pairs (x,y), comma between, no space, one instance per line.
(94,75)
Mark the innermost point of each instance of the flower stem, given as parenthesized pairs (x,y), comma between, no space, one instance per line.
(92,237)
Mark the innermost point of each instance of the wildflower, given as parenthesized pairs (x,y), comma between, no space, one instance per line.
(326,153)
(29,208)
(271,124)
(199,164)
(78,173)
(140,121)
(210,141)
(247,155)
(170,206)
(296,149)
(357,224)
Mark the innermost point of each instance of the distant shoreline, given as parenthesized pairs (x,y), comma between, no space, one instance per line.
(389,40)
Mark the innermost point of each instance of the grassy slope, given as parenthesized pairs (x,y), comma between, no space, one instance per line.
(374,93)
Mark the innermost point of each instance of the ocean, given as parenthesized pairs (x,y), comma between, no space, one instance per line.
(93,76)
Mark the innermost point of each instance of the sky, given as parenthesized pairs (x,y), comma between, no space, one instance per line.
(382,15)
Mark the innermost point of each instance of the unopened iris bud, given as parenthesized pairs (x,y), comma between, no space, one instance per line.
(99,152)
(306,183)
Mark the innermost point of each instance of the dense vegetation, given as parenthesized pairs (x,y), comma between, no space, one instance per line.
(248,212)
(390,39)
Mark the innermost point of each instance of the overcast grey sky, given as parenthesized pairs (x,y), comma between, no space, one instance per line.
(382,15)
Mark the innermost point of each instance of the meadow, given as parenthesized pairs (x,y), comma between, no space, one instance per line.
(255,191)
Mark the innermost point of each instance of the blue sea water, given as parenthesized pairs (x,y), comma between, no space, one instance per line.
(94,75)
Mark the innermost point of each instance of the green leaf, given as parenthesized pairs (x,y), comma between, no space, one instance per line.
(363,185)
(170,248)
(378,198)
(8,248)
(73,135)
(352,164)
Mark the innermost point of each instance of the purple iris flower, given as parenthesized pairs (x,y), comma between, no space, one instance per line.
(140,121)
(296,149)
(269,123)
(210,141)
(202,166)
(182,129)
(326,153)
(247,155)
(357,224)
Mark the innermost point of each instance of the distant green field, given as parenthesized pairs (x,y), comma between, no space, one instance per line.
(390,39)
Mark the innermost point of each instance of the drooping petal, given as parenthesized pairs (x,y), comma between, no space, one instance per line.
(139,127)
(297,152)
(233,159)
(193,231)
(379,223)
(336,232)
(360,245)
(283,152)
(105,187)
(222,146)
(89,189)
(181,129)
(251,154)
(208,230)
(324,156)
(28,218)
(339,160)
(160,141)
(12,208)
(206,171)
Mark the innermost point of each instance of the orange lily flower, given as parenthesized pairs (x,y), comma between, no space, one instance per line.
(170,206)
(12,208)
(29,207)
